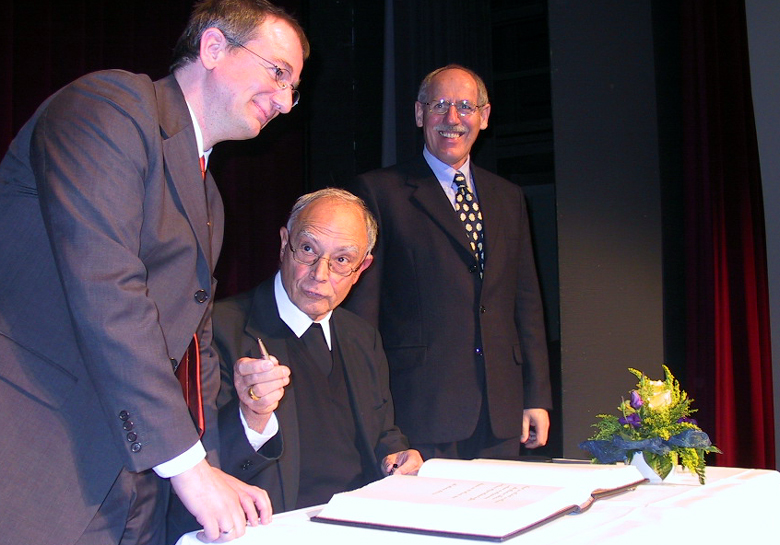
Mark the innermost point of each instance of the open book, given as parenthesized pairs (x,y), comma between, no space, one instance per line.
(491,500)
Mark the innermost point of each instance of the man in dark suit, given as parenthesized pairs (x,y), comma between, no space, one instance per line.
(109,233)
(306,423)
(454,290)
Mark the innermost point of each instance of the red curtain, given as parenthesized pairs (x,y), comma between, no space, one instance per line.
(729,371)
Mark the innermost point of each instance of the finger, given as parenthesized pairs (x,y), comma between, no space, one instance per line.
(236,528)
(263,504)
(524,436)
(210,532)
(250,507)
(278,375)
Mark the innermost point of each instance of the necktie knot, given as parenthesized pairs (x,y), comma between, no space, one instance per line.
(459,181)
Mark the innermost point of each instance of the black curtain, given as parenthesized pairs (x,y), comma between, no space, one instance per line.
(49,43)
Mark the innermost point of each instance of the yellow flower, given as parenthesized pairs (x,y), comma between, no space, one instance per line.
(660,396)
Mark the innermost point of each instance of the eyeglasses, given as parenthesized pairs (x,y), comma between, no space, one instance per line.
(341,265)
(463,107)
(282,76)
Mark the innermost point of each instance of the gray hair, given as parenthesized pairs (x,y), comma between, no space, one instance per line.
(341,195)
(482,94)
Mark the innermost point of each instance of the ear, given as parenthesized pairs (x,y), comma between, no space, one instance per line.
(366,263)
(213,44)
(419,110)
(484,113)
(285,236)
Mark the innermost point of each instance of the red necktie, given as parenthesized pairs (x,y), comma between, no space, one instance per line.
(188,371)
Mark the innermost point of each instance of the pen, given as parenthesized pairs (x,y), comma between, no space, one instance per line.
(392,469)
(263,350)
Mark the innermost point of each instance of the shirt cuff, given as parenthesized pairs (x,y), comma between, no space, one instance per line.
(181,463)
(257,439)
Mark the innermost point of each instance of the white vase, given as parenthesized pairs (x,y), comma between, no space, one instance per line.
(647,472)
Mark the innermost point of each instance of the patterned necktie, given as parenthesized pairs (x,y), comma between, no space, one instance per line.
(188,371)
(469,213)
(314,340)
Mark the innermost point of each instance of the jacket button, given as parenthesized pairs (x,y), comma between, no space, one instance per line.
(124,415)
(473,268)
(135,447)
(482,310)
(132,436)
(128,425)
(201,296)
(478,352)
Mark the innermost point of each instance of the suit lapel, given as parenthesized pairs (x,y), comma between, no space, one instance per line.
(428,196)
(180,153)
(492,210)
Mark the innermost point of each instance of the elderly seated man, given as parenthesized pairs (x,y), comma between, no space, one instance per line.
(314,417)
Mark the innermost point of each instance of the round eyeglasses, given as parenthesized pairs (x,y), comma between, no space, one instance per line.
(341,265)
(282,76)
(463,107)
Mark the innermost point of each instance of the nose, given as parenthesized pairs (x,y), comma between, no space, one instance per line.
(452,117)
(320,270)
(282,100)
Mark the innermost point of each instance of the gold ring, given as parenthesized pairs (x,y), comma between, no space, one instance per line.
(253,395)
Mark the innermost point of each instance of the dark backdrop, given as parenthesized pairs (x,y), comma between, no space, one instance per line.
(344,115)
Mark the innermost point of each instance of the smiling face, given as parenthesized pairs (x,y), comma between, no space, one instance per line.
(240,93)
(449,137)
(335,230)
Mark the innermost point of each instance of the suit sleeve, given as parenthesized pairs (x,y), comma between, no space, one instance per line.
(89,157)
(364,299)
(529,317)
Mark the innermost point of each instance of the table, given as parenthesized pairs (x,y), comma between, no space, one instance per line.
(735,506)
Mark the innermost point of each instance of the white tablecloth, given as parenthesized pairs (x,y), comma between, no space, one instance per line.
(739,506)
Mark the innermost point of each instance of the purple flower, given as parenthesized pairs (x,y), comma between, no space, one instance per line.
(636,400)
(687,420)
(632,420)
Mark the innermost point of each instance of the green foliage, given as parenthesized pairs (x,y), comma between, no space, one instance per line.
(657,409)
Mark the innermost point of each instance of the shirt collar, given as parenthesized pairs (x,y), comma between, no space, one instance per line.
(199,136)
(445,173)
(294,317)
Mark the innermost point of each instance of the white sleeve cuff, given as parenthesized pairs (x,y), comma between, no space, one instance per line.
(181,463)
(257,439)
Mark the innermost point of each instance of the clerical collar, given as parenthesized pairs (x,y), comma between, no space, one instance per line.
(294,317)
(199,136)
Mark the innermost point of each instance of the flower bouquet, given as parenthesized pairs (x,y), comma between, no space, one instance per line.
(655,422)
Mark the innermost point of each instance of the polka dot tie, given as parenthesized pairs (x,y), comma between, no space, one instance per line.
(469,213)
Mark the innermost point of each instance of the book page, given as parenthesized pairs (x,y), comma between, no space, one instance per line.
(585,475)
(476,508)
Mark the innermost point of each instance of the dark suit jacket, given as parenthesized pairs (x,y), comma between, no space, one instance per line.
(106,271)
(238,323)
(447,333)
